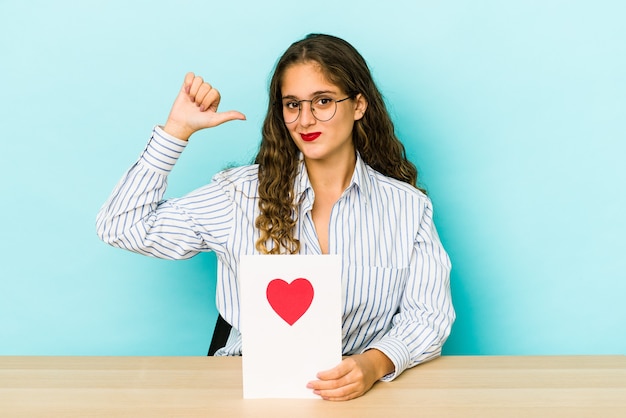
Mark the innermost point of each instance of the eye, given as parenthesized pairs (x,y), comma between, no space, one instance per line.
(291,105)
(323,101)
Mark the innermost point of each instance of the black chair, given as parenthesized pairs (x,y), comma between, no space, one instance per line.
(220,335)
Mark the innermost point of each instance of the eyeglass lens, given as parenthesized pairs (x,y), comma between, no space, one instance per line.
(322,108)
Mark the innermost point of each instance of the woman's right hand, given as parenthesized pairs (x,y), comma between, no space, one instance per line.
(195,108)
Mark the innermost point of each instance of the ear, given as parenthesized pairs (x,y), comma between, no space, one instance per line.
(360,106)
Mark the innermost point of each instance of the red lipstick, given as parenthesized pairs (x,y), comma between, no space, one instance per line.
(310,137)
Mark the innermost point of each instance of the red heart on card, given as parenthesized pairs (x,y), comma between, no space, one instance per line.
(290,300)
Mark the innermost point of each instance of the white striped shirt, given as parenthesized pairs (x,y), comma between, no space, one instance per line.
(395,272)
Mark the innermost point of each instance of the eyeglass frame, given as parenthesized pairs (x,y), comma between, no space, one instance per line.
(312,108)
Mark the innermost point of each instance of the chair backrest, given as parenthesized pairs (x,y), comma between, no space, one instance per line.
(220,335)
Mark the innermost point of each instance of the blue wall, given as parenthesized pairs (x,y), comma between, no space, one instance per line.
(514,113)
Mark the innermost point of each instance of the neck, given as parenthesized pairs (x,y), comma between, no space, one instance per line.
(330,176)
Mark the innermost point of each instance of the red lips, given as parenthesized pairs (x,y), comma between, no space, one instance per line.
(310,137)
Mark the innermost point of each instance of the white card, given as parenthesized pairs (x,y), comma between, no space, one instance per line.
(290,322)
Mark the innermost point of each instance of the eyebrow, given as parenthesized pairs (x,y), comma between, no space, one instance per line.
(317,93)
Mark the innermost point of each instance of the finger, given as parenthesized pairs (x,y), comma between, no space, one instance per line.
(330,384)
(223,117)
(340,394)
(211,100)
(203,92)
(188,80)
(195,86)
(336,372)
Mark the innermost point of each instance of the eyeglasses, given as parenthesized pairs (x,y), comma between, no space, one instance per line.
(323,108)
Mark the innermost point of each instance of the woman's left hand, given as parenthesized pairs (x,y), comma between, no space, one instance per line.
(353,377)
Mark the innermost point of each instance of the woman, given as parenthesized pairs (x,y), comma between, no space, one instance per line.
(330,177)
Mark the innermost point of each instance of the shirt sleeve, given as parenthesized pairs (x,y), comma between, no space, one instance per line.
(425,317)
(137,219)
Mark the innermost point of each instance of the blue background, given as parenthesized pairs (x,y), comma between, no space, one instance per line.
(514,113)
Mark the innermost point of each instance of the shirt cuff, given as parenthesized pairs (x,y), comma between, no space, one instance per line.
(397,352)
(162,151)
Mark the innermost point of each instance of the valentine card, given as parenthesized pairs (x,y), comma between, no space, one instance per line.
(290,322)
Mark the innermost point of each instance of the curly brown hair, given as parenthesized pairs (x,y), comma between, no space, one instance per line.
(278,157)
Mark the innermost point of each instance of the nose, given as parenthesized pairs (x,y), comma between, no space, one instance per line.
(306,114)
